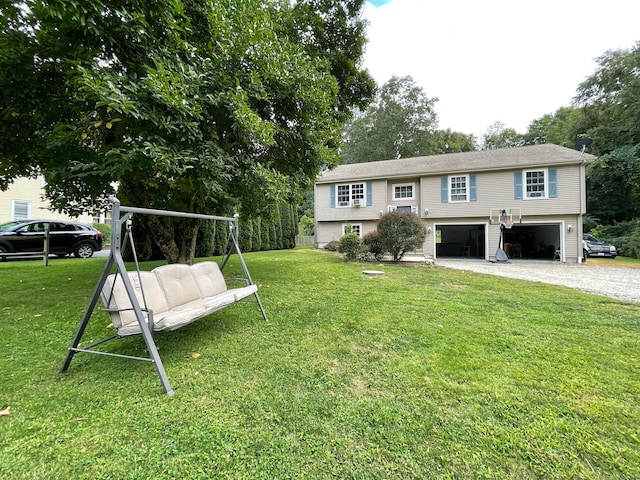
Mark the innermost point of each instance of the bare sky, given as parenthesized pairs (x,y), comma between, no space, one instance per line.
(511,61)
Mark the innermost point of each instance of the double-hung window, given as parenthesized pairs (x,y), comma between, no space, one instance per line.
(535,183)
(350,194)
(458,188)
(538,183)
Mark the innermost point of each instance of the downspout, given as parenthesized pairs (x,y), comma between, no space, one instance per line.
(583,208)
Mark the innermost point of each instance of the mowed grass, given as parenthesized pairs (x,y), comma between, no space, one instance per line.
(419,373)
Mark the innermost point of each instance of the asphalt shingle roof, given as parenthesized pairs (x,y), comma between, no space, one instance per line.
(485,160)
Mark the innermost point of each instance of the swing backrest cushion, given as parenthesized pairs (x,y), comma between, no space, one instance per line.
(209,278)
(119,300)
(178,284)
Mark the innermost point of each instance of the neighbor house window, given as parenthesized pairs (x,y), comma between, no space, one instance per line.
(535,183)
(346,194)
(20,210)
(403,192)
(355,228)
(458,186)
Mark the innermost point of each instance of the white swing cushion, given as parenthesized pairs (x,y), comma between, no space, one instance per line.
(177,294)
(120,310)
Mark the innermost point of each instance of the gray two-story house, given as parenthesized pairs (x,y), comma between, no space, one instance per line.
(464,198)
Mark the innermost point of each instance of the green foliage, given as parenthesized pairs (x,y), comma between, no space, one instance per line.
(374,244)
(613,185)
(611,100)
(419,373)
(400,232)
(499,136)
(105,229)
(565,127)
(624,235)
(192,106)
(350,245)
(400,123)
(306,226)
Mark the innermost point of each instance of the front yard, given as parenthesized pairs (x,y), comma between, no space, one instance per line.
(418,373)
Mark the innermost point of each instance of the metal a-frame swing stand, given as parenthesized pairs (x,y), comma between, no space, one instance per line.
(115,259)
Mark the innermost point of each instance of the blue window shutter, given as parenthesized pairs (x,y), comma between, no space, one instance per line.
(332,196)
(369,194)
(472,188)
(444,189)
(553,183)
(517,185)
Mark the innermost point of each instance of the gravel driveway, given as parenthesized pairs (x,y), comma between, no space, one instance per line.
(615,282)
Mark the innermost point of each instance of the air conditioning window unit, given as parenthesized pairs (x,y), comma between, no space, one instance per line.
(357,202)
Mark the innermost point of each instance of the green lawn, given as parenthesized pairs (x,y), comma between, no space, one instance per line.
(420,373)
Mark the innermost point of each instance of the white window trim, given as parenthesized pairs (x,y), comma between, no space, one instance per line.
(350,185)
(393,208)
(546,183)
(13,209)
(358,225)
(467,192)
(399,199)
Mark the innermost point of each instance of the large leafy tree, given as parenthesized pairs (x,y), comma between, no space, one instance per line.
(401,122)
(611,100)
(498,135)
(183,104)
(611,103)
(564,127)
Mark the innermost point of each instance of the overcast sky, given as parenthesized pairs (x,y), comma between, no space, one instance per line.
(511,61)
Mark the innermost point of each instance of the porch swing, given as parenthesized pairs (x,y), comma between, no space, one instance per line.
(163,299)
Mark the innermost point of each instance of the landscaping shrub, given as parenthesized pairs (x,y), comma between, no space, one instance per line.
(400,232)
(350,246)
(624,235)
(332,246)
(373,243)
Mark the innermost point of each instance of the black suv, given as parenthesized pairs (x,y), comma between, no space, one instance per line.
(27,236)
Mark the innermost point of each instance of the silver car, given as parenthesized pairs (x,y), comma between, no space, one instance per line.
(594,247)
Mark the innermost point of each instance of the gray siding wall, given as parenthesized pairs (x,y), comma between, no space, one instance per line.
(496,190)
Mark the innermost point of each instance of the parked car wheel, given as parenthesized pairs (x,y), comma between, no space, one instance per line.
(83,251)
(2,257)
(585,255)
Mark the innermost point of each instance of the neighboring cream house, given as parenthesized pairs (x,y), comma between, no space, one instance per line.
(23,201)
(460,197)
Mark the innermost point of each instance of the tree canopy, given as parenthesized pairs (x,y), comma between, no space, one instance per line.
(401,122)
(610,100)
(180,104)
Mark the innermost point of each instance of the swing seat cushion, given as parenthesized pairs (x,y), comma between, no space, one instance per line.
(177,295)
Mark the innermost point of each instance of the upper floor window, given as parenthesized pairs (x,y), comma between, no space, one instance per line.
(458,188)
(350,194)
(404,191)
(539,183)
(535,183)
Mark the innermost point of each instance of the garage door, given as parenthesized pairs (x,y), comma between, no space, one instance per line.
(532,241)
(460,241)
